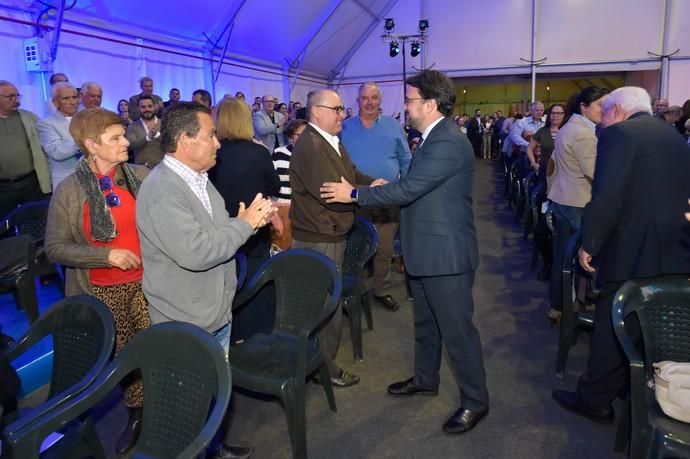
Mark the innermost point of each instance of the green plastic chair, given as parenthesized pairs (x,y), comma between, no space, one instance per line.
(83,336)
(362,243)
(662,307)
(307,286)
(572,321)
(187,388)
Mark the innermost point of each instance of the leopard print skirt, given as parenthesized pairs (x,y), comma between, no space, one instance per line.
(130,311)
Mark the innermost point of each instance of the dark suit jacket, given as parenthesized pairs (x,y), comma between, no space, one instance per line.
(437,226)
(243,169)
(634,223)
(475,128)
(146,152)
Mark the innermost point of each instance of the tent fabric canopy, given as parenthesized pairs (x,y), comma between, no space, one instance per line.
(288,48)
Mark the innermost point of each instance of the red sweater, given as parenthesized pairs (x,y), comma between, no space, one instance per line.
(127,238)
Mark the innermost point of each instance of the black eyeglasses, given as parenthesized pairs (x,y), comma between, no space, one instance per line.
(338,109)
(410,99)
(111,199)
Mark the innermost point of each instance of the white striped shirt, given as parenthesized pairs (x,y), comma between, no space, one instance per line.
(196,181)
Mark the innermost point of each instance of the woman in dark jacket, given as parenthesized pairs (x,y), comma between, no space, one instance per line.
(243,169)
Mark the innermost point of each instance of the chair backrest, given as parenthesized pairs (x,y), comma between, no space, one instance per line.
(29,218)
(361,245)
(187,387)
(185,373)
(662,306)
(241,261)
(83,333)
(305,282)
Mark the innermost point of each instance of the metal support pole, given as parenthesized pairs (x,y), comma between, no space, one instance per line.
(534,39)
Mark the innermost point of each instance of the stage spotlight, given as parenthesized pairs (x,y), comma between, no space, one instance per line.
(389,25)
(423,25)
(394,48)
(415,49)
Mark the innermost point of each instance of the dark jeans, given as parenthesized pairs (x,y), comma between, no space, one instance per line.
(566,221)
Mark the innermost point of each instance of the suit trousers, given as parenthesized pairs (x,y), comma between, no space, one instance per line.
(607,369)
(329,336)
(443,310)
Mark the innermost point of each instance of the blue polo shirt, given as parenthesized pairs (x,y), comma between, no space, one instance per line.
(380,152)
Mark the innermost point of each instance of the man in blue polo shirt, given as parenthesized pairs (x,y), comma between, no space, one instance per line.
(378,147)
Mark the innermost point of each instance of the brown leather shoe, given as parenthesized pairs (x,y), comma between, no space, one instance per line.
(388,302)
(344,379)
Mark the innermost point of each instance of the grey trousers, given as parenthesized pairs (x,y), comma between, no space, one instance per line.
(329,336)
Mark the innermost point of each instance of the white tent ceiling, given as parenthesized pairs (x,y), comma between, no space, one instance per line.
(338,42)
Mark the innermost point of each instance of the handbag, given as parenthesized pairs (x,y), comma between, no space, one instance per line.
(672,388)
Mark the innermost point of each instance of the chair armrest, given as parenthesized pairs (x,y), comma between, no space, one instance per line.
(41,424)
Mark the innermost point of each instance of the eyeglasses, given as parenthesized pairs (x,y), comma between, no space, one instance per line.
(111,199)
(338,109)
(410,99)
(269,101)
(12,97)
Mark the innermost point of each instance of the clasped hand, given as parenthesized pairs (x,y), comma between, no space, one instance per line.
(258,213)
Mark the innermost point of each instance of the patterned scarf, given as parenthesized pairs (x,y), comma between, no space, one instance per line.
(102,223)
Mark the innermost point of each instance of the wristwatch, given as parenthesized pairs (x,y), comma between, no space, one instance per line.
(354,194)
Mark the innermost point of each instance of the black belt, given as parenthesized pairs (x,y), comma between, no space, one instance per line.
(18,178)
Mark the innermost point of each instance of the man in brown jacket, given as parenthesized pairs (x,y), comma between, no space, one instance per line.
(318,157)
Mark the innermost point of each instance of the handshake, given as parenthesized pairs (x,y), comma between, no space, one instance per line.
(342,191)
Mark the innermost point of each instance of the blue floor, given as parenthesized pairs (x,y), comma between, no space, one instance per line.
(33,366)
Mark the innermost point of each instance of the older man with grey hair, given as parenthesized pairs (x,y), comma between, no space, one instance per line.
(53,131)
(379,148)
(24,171)
(91,95)
(146,85)
(633,228)
(319,156)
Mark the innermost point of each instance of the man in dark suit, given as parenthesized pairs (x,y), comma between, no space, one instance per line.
(475,130)
(439,246)
(634,229)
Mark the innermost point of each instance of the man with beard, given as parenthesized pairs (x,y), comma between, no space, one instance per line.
(439,246)
(378,147)
(174,98)
(144,134)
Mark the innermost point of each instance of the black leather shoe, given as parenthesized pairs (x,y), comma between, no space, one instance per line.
(572,402)
(463,420)
(344,379)
(129,437)
(388,302)
(233,452)
(407,388)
